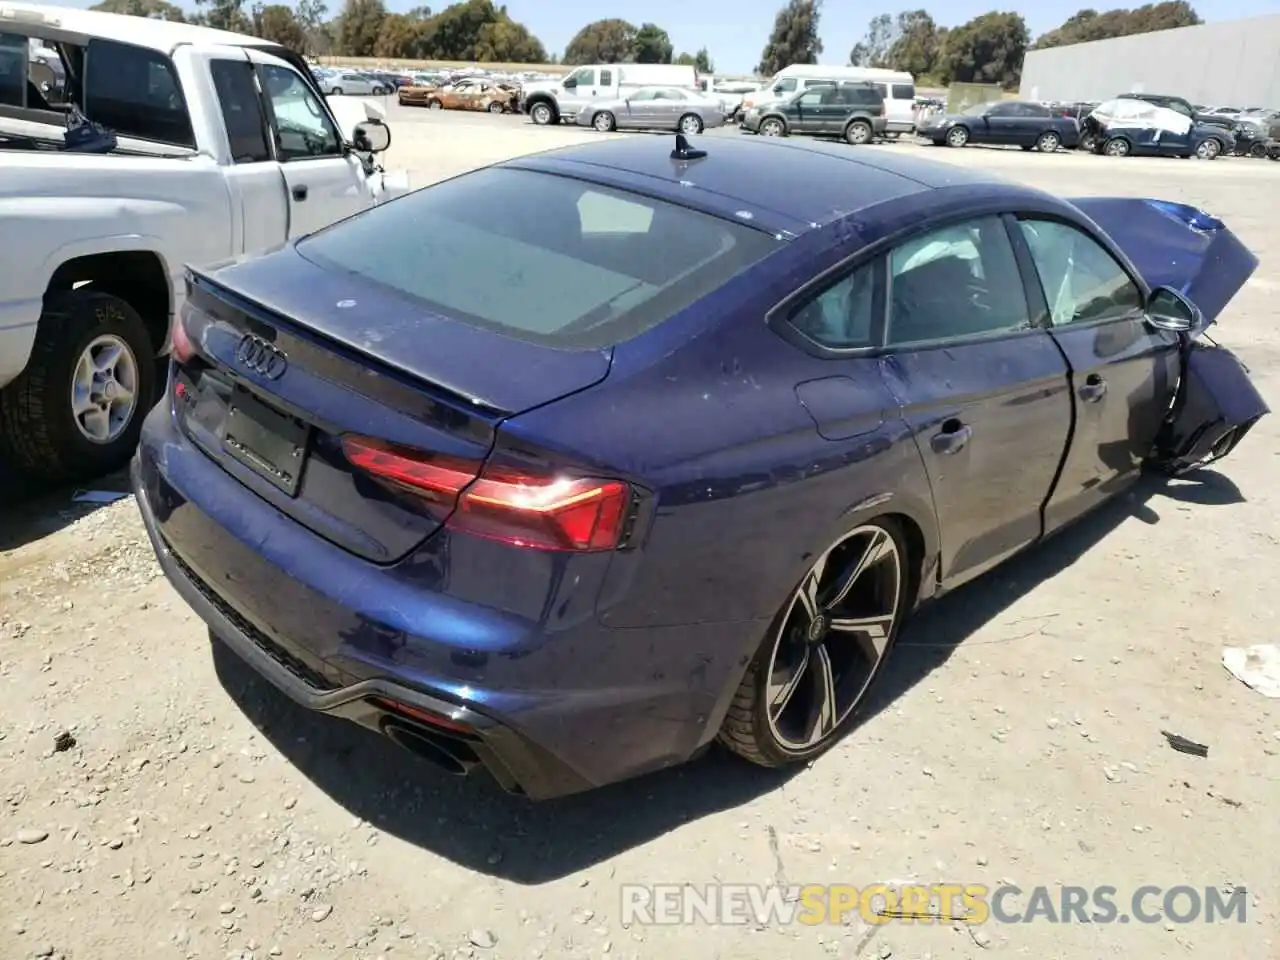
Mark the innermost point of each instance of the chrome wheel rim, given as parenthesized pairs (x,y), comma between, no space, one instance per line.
(859,133)
(771,128)
(1049,143)
(1208,150)
(957,138)
(541,113)
(1117,148)
(104,389)
(832,638)
(691,126)
(602,123)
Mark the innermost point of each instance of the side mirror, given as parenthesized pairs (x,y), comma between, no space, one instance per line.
(1170,310)
(570,83)
(371,136)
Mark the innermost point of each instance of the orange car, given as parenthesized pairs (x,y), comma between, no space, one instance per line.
(464,95)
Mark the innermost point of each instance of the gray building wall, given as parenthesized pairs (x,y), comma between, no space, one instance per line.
(1235,63)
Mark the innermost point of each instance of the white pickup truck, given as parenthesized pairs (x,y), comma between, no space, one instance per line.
(209,146)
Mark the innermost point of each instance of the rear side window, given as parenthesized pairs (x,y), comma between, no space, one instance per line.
(13,70)
(904,91)
(134,92)
(241,110)
(544,258)
(867,96)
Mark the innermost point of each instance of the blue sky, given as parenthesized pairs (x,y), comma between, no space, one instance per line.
(735,32)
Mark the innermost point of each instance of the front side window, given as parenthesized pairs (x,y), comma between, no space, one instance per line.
(303,129)
(585,77)
(785,85)
(1082,282)
(571,264)
(814,97)
(134,92)
(904,91)
(840,316)
(958,281)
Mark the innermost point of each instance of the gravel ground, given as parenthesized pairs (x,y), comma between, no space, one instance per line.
(160,801)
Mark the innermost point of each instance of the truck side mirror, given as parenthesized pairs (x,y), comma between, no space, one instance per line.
(371,136)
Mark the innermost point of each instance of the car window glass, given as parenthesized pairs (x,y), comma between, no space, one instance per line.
(134,92)
(241,110)
(812,99)
(641,95)
(785,85)
(606,78)
(957,281)
(904,91)
(13,70)
(840,316)
(568,264)
(1081,280)
(585,78)
(303,129)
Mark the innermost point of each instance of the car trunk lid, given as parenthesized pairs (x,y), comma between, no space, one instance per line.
(290,360)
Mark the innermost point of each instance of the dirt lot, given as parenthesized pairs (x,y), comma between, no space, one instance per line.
(198,814)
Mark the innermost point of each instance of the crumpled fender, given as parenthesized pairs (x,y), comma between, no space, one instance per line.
(1216,405)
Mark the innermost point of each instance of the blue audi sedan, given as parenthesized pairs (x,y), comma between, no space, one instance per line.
(572,466)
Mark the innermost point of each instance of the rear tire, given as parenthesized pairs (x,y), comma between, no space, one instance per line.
(496,106)
(1048,142)
(1210,149)
(40,431)
(833,658)
(858,133)
(542,114)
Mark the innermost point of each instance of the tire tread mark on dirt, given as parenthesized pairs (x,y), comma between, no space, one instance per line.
(779,871)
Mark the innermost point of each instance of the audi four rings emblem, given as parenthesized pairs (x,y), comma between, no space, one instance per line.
(261,357)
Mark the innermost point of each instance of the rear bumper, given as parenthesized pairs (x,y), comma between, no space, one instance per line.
(549,708)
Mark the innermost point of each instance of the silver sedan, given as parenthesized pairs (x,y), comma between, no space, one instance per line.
(654,108)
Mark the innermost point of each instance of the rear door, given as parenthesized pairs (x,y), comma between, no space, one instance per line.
(1123,372)
(1001,124)
(253,176)
(324,183)
(984,391)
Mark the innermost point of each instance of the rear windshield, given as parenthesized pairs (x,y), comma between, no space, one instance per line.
(540,257)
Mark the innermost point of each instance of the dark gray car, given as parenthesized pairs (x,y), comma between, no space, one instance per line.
(853,111)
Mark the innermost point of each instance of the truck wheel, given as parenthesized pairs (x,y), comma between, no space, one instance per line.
(76,411)
(858,133)
(541,114)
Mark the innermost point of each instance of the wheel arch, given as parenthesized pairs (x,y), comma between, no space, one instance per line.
(137,275)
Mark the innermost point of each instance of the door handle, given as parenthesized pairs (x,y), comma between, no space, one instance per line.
(1094,389)
(300,192)
(953,438)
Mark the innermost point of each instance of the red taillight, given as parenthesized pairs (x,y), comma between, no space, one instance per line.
(181,346)
(423,716)
(544,512)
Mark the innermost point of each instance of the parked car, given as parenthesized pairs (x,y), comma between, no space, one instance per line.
(1132,126)
(554,101)
(1016,123)
(464,95)
(897,90)
(654,108)
(1183,106)
(500,518)
(213,146)
(354,84)
(1256,132)
(852,110)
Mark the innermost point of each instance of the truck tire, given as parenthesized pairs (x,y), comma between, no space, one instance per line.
(91,350)
(542,113)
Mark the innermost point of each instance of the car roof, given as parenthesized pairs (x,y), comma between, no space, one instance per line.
(771,180)
(159,35)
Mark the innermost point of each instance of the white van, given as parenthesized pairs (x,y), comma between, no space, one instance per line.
(897,88)
(551,101)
